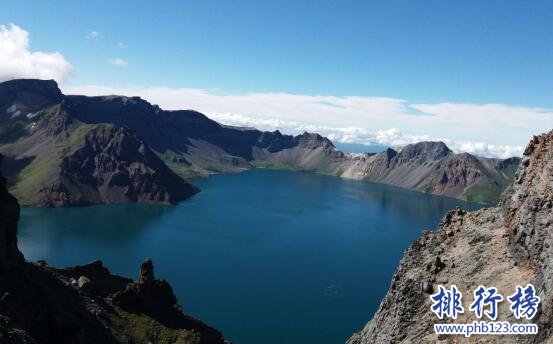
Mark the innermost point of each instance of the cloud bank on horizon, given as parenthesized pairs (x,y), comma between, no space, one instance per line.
(493,130)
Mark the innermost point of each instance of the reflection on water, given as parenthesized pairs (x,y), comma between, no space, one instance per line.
(260,254)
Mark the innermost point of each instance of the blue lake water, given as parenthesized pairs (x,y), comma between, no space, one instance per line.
(265,256)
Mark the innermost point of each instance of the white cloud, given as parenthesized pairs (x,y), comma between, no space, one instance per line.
(388,137)
(486,129)
(393,137)
(119,62)
(121,45)
(92,35)
(17,61)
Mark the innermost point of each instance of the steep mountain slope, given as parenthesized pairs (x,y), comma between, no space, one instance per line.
(50,126)
(504,246)
(113,166)
(56,160)
(426,166)
(84,304)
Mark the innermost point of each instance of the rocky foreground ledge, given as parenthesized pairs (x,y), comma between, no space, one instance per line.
(85,304)
(504,246)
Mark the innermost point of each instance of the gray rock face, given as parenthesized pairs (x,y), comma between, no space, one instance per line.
(528,211)
(504,246)
(429,167)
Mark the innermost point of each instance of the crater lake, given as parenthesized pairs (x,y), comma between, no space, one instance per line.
(265,256)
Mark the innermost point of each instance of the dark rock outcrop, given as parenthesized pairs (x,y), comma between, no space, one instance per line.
(504,246)
(42,304)
(114,166)
(10,255)
(155,297)
(23,96)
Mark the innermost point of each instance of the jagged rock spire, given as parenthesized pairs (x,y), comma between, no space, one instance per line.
(146,275)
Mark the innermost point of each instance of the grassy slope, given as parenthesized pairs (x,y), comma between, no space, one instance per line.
(139,328)
(45,167)
(273,165)
(489,194)
(484,194)
(181,169)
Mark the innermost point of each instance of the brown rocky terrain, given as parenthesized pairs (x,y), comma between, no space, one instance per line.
(503,246)
(84,304)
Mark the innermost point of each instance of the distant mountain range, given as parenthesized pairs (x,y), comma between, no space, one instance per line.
(68,150)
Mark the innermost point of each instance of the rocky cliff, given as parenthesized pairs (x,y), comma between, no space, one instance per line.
(41,129)
(113,166)
(56,160)
(504,246)
(84,304)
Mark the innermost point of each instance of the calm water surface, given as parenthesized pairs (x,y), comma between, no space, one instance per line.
(265,256)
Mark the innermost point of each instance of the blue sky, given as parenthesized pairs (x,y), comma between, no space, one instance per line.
(423,52)
(475,51)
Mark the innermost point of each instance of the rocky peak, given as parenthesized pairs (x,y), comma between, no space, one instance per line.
(146,275)
(274,141)
(26,95)
(111,109)
(149,295)
(119,167)
(10,255)
(426,150)
(313,140)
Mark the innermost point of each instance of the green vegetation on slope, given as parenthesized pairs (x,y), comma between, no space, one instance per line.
(140,328)
(273,165)
(45,166)
(177,164)
(487,194)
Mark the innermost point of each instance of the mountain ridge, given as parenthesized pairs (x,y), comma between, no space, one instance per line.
(36,116)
